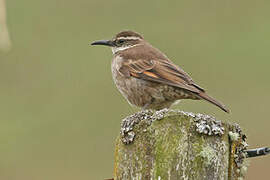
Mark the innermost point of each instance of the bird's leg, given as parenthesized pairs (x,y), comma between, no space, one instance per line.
(145,107)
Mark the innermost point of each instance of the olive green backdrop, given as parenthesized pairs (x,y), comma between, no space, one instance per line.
(59,109)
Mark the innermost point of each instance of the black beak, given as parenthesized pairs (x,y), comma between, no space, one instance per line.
(103,42)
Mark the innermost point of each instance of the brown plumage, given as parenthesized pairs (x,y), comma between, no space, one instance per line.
(147,78)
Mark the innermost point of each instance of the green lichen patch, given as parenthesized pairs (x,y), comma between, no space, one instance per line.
(238,154)
(208,154)
(170,141)
(234,136)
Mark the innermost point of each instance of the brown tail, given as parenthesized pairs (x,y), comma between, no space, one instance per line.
(213,101)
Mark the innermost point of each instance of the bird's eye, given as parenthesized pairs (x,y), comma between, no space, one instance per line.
(121,41)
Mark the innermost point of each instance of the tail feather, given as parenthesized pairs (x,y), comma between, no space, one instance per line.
(213,101)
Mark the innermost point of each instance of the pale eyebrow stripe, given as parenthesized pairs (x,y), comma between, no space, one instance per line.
(130,38)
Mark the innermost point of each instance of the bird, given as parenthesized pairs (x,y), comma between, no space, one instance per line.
(146,77)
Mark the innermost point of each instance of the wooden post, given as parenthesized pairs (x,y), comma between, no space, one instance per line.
(5,43)
(175,145)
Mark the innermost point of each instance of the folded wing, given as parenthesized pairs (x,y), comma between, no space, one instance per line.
(165,72)
(160,71)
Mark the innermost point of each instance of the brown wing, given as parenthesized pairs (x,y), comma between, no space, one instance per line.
(167,73)
(160,71)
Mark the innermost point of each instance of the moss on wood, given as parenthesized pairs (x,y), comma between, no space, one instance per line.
(173,145)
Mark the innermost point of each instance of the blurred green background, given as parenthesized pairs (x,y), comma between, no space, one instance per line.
(60,111)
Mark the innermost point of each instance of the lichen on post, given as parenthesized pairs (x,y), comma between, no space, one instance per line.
(173,145)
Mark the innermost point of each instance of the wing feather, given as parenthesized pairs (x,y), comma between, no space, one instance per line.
(160,71)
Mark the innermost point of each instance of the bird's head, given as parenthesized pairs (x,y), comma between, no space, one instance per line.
(122,41)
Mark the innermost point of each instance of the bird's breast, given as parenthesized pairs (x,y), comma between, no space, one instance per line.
(133,89)
(119,80)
